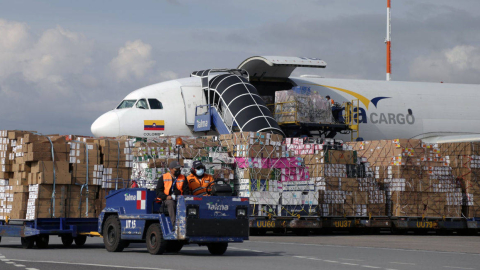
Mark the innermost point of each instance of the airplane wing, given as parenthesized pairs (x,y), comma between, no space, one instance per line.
(453,138)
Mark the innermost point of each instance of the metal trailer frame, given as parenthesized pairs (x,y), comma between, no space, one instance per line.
(39,230)
(304,224)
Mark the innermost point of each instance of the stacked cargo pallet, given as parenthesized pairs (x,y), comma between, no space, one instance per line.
(416,176)
(464,159)
(282,177)
(59,176)
(302,105)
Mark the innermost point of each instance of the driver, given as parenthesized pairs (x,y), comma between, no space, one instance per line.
(198,180)
(171,185)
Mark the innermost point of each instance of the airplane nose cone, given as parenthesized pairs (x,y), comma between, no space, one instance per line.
(106,125)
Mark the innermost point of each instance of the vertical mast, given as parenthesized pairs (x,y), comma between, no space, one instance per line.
(388,41)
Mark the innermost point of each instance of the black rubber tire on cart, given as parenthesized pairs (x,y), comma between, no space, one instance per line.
(126,244)
(42,241)
(156,245)
(28,242)
(217,248)
(80,240)
(112,234)
(174,246)
(0,239)
(67,240)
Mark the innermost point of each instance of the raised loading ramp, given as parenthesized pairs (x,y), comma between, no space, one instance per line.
(234,104)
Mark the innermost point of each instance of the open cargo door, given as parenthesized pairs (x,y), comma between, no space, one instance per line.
(279,67)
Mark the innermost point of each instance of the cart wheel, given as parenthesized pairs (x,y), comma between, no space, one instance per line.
(156,245)
(111,234)
(42,241)
(217,248)
(67,240)
(28,242)
(0,239)
(80,240)
(126,244)
(174,246)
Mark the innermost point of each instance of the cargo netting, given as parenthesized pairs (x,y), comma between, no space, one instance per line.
(292,177)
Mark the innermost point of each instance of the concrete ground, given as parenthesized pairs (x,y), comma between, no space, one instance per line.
(399,252)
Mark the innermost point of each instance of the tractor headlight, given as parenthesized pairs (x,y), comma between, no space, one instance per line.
(241,212)
(192,211)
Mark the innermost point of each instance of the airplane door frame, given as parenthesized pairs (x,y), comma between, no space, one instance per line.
(192,97)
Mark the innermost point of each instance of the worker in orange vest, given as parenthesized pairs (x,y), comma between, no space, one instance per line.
(198,180)
(171,185)
(330,100)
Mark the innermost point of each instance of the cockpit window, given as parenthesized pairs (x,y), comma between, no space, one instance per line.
(142,104)
(127,103)
(155,104)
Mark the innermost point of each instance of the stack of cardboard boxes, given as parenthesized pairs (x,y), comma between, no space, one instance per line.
(416,176)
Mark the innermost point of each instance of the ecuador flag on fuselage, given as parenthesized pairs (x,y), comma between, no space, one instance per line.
(153,125)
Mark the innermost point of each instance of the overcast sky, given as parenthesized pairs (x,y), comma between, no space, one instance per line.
(64,63)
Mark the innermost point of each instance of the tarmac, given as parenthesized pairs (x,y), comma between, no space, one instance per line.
(400,252)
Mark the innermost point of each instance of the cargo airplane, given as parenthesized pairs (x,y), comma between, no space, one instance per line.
(435,112)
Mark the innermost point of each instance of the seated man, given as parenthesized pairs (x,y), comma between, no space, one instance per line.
(169,186)
(198,180)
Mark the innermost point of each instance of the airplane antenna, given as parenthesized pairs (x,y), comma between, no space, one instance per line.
(388,41)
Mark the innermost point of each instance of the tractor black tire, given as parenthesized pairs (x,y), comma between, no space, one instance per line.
(156,244)
(42,241)
(80,240)
(174,246)
(28,242)
(111,234)
(67,240)
(217,248)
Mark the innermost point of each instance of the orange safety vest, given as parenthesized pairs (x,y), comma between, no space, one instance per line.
(199,187)
(167,181)
(331,101)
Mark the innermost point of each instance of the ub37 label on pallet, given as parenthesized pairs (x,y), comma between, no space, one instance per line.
(342,224)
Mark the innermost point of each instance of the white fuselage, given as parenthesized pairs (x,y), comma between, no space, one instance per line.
(407,110)
(436,109)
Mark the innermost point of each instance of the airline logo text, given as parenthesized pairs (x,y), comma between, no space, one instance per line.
(202,124)
(375,118)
